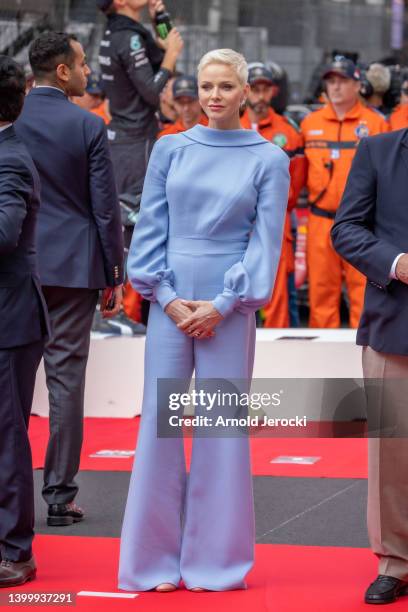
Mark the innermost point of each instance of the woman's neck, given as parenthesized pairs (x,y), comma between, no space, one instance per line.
(231,124)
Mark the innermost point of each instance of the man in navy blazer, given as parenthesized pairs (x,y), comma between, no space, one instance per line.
(371,233)
(23,327)
(80,246)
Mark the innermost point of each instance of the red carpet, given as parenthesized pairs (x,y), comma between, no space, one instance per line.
(339,457)
(284,579)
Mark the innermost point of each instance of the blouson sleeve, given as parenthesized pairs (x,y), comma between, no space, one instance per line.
(147,266)
(248,284)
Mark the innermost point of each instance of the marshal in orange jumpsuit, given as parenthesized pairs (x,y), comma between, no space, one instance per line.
(278,130)
(330,145)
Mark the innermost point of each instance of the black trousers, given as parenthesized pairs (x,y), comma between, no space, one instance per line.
(130,159)
(18,368)
(65,357)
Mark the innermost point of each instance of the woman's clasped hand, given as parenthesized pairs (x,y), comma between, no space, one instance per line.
(196,318)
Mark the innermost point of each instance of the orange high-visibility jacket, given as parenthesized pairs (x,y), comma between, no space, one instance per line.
(178,126)
(102,111)
(399,117)
(330,145)
(278,130)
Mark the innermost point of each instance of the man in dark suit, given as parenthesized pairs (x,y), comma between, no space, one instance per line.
(23,326)
(370,232)
(80,246)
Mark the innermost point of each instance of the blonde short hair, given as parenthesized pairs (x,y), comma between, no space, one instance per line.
(379,77)
(229,57)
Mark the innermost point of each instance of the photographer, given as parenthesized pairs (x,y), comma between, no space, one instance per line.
(376,84)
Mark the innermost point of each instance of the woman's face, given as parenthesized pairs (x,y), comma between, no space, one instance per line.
(220,92)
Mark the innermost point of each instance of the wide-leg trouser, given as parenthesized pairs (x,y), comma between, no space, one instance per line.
(201,531)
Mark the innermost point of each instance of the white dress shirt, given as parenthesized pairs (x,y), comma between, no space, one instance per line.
(394,266)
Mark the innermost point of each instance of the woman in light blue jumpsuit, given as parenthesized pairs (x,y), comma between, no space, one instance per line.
(210,229)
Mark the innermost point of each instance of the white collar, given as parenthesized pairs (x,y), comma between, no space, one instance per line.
(50,87)
(4,127)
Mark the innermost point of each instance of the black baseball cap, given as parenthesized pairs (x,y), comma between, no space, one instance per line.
(185,86)
(343,67)
(104,5)
(259,73)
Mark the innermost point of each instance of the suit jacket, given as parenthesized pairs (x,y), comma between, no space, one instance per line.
(23,314)
(371,229)
(79,236)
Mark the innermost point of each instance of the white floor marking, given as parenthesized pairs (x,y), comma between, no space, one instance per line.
(102,594)
(294,518)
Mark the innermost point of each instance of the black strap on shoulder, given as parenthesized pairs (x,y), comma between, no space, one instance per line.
(321,212)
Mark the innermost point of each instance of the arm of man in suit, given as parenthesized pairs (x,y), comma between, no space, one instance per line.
(105,208)
(353,230)
(15,186)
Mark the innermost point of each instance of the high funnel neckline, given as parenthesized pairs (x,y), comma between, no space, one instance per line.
(224,138)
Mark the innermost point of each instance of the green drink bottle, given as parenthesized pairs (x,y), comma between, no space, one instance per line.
(163,24)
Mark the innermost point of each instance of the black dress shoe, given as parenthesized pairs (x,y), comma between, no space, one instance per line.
(385,589)
(14,573)
(60,515)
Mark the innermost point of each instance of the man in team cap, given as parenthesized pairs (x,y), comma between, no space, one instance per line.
(185,96)
(332,135)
